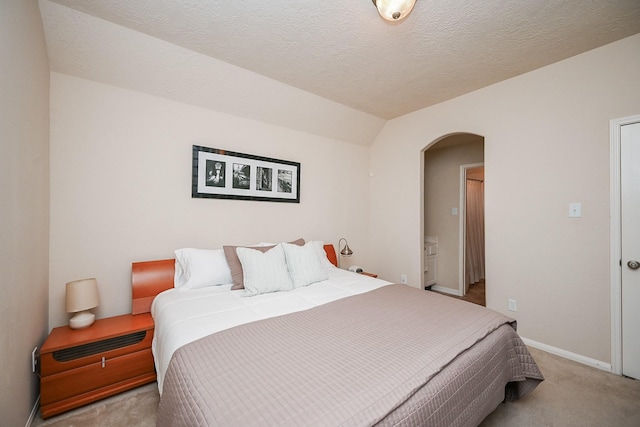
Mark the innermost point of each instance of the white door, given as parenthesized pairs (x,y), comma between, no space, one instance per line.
(630,222)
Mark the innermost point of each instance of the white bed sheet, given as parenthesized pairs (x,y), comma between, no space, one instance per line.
(183,316)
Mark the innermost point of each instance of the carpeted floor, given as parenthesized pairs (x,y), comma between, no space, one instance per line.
(571,395)
(133,408)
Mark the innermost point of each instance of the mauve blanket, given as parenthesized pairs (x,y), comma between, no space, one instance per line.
(349,362)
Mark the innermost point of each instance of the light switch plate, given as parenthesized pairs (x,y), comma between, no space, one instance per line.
(575,210)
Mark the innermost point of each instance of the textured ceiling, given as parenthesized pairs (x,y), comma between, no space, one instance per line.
(346,53)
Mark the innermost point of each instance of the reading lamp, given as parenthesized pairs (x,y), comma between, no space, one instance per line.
(82,296)
(346,251)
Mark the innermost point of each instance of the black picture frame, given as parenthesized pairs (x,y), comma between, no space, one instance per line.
(223,174)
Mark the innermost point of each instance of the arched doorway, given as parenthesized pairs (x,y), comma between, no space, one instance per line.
(447,162)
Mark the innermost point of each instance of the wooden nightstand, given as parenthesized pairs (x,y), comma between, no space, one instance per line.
(80,366)
(369,274)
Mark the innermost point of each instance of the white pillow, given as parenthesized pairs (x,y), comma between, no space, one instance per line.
(264,271)
(304,264)
(197,268)
(322,255)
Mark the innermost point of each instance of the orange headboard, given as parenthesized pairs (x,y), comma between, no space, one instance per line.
(331,254)
(149,278)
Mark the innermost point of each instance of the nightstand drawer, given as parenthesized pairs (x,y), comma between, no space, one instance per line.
(91,377)
(83,355)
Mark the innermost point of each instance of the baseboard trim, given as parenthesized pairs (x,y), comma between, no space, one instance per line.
(446,290)
(34,412)
(569,355)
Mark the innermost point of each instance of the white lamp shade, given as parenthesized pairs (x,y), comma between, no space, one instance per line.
(394,10)
(82,295)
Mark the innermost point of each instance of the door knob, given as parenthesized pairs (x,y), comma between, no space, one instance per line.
(634,265)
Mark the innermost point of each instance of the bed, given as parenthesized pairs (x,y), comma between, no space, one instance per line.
(349,349)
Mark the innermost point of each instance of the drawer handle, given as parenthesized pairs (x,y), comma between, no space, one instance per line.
(103,361)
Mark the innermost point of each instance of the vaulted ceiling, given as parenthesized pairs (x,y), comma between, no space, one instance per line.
(340,51)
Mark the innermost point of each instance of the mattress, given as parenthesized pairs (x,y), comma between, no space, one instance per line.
(184,316)
(392,355)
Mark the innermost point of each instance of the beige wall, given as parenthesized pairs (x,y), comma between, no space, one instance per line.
(24,206)
(546,145)
(121,187)
(441,194)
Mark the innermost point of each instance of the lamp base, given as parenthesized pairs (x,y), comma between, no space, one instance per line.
(82,319)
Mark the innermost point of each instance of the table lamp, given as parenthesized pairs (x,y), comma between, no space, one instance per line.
(82,296)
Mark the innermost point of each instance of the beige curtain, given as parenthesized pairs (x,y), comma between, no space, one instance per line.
(474,253)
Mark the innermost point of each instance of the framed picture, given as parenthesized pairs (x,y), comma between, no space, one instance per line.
(222,174)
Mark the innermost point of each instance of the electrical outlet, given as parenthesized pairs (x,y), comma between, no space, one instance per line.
(513,305)
(403,279)
(34,359)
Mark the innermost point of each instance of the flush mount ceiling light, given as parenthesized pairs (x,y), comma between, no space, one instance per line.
(394,10)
